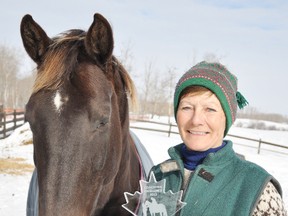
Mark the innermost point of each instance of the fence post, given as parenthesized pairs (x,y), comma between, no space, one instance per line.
(4,125)
(259,146)
(1,113)
(170,127)
(14,119)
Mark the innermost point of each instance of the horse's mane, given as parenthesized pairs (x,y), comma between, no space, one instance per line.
(62,58)
(128,82)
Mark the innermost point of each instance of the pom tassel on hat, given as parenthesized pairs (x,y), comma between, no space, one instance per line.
(242,102)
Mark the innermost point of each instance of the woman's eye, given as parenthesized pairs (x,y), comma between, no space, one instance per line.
(211,109)
(186,108)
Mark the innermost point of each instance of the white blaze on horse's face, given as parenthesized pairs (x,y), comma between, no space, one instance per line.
(59,101)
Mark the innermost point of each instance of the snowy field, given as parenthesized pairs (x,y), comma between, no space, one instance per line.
(13,188)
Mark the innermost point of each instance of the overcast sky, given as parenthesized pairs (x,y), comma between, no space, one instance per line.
(249,36)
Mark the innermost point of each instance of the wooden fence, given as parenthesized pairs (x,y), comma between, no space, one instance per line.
(172,129)
(10,120)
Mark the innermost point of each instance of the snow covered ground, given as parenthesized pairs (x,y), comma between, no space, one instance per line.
(13,188)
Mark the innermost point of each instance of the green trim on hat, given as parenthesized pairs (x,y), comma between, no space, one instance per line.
(211,86)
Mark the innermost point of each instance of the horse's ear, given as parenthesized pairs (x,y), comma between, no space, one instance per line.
(99,39)
(34,38)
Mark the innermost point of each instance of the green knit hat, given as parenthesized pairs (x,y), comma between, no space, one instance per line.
(216,78)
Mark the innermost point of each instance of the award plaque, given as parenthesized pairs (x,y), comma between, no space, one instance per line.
(153,199)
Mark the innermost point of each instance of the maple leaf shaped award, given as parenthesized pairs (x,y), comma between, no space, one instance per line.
(153,200)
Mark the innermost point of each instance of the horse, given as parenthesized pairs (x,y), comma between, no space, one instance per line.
(155,208)
(79,116)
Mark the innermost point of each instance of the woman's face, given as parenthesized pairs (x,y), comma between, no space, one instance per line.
(201,121)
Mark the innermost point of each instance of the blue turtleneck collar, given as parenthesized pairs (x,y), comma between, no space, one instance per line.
(192,158)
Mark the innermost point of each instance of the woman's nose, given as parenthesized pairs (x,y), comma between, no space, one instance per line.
(197,117)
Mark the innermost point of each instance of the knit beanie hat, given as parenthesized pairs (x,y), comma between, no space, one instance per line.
(217,79)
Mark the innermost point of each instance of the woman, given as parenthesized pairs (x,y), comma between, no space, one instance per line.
(214,179)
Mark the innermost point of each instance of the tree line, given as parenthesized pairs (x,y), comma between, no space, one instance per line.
(14,88)
(155,92)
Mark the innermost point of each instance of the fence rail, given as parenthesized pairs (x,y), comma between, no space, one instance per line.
(9,121)
(170,131)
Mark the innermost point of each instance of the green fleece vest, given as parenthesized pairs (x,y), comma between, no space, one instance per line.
(223,185)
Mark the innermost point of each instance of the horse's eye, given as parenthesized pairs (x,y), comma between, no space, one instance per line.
(100,123)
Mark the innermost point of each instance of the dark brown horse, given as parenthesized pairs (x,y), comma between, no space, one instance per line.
(78,113)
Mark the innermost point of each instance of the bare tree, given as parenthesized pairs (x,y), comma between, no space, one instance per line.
(126,58)
(14,89)
(171,83)
(148,79)
(157,95)
(9,63)
(24,90)
(212,57)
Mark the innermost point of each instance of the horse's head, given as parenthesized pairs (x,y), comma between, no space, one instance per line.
(78,113)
